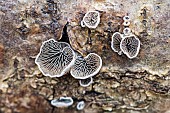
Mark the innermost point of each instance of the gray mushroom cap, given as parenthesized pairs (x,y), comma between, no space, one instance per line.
(130,46)
(55,58)
(89,66)
(115,43)
(62,102)
(91,19)
(86,82)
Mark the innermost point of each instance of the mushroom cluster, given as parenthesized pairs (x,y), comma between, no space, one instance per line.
(57,58)
(127,42)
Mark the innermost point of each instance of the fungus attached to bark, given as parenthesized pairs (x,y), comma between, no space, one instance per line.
(82,24)
(89,66)
(91,19)
(86,82)
(130,46)
(126,18)
(115,44)
(62,102)
(81,105)
(127,31)
(126,23)
(55,58)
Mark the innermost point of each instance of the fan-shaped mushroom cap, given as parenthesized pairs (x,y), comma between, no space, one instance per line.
(89,66)
(62,102)
(115,44)
(130,46)
(91,19)
(86,82)
(55,58)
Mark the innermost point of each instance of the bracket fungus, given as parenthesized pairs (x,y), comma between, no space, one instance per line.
(115,43)
(86,82)
(62,102)
(55,58)
(91,19)
(80,105)
(130,46)
(89,66)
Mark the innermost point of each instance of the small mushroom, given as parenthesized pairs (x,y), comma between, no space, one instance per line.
(127,31)
(126,18)
(82,24)
(81,105)
(55,58)
(86,82)
(115,44)
(91,19)
(130,46)
(126,23)
(62,102)
(89,66)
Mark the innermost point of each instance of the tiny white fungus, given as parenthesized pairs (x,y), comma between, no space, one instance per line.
(126,23)
(126,18)
(80,105)
(91,19)
(62,102)
(86,82)
(127,31)
(82,24)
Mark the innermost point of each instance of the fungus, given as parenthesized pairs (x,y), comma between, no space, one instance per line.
(86,82)
(130,46)
(91,19)
(126,31)
(55,58)
(126,18)
(82,24)
(115,44)
(126,23)
(81,105)
(62,102)
(89,66)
